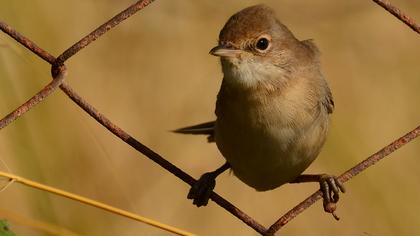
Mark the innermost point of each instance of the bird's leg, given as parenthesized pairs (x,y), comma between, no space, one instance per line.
(200,192)
(330,187)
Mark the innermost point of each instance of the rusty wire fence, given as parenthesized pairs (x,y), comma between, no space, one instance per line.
(59,71)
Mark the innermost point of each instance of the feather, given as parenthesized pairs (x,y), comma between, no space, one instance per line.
(200,129)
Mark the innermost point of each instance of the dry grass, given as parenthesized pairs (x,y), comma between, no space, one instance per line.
(153,74)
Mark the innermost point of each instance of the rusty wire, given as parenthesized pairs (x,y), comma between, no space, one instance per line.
(156,157)
(37,98)
(399,14)
(345,177)
(58,70)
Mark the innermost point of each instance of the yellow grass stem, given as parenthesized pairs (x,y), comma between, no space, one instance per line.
(94,203)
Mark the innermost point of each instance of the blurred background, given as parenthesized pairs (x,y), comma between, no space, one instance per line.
(153,74)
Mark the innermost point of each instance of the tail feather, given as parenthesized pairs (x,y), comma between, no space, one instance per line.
(202,129)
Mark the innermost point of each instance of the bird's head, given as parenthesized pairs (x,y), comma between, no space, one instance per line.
(254,47)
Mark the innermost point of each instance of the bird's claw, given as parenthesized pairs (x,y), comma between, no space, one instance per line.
(331,187)
(200,192)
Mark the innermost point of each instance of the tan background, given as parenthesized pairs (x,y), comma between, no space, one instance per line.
(153,74)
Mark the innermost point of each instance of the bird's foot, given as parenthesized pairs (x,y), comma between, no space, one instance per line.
(200,192)
(330,187)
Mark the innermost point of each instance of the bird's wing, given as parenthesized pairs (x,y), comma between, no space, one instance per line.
(204,129)
(329,102)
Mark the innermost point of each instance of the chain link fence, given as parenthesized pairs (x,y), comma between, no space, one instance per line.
(59,72)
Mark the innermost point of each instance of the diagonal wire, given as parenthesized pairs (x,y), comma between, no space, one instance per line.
(98,32)
(34,100)
(103,120)
(29,44)
(370,161)
(399,14)
(58,71)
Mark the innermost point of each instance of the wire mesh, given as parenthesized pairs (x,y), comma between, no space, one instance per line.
(59,71)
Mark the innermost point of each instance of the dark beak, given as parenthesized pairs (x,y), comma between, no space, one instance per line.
(224,51)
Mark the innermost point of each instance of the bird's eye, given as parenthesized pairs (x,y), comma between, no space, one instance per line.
(262,44)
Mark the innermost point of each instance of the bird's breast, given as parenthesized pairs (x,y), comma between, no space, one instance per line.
(268,141)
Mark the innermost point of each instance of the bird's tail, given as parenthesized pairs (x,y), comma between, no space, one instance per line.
(200,129)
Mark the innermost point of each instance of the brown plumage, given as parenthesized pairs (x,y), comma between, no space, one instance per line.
(273,105)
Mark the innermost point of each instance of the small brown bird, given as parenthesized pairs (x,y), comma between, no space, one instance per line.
(272,108)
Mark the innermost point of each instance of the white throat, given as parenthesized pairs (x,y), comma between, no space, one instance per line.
(249,73)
